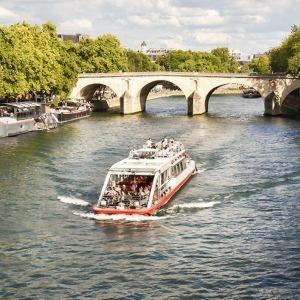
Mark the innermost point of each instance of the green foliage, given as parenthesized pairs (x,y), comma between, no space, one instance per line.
(139,62)
(218,60)
(104,54)
(294,63)
(285,58)
(32,58)
(227,62)
(245,68)
(28,60)
(261,64)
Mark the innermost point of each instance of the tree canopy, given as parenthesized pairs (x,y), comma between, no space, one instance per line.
(140,62)
(32,58)
(286,57)
(104,54)
(261,64)
(218,60)
(28,58)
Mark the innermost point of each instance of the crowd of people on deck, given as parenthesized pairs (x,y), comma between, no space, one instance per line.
(165,146)
(133,188)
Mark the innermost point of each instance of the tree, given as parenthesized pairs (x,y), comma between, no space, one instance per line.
(218,60)
(285,58)
(139,62)
(261,64)
(28,60)
(69,61)
(294,63)
(104,54)
(32,58)
(228,63)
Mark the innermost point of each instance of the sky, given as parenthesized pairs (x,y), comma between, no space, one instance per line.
(247,26)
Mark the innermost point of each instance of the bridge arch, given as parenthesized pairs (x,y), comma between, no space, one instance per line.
(212,90)
(101,95)
(147,87)
(89,90)
(289,89)
(209,94)
(290,104)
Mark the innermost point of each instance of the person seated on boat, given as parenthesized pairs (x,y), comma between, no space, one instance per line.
(129,196)
(164,143)
(142,193)
(123,187)
(118,190)
(133,187)
(146,190)
(132,153)
(149,143)
(107,192)
(113,184)
(115,196)
(139,179)
(123,196)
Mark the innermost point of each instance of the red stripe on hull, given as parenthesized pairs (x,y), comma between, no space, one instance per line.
(148,211)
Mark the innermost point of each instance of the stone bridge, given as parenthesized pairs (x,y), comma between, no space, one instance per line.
(132,88)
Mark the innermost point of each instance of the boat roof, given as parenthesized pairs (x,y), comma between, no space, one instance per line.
(150,159)
(141,165)
(27,104)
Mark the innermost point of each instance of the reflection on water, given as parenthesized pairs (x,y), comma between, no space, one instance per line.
(230,232)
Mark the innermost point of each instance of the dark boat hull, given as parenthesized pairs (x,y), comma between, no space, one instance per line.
(65,117)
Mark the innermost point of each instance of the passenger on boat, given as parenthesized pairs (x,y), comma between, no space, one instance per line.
(146,190)
(164,143)
(123,196)
(149,143)
(141,191)
(118,189)
(133,186)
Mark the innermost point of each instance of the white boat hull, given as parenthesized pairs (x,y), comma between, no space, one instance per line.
(12,127)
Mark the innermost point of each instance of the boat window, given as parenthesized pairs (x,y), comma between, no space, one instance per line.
(164,177)
(178,168)
(181,166)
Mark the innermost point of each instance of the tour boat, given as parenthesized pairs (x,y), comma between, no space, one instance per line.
(146,180)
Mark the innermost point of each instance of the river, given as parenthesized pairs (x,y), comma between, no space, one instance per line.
(232,232)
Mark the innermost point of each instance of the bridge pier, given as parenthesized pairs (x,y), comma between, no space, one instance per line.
(130,104)
(196,104)
(273,105)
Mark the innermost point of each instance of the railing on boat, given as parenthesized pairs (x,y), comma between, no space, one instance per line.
(111,200)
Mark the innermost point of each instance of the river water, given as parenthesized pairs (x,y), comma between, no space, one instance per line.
(232,232)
